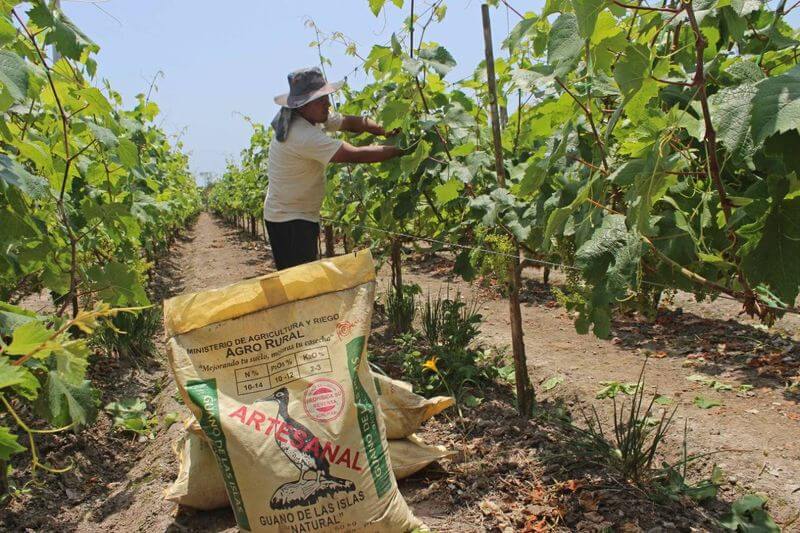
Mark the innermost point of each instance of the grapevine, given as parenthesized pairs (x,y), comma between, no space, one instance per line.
(91,193)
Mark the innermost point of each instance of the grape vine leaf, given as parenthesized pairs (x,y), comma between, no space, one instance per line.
(437,58)
(377,5)
(532,179)
(104,135)
(410,163)
(744,70)
(649,185)
(736,25)
(631,71)
(118,284)
(64,403)
(8,444)
(68,39)
(448,191)
(31,336)
(776,105)
(39,153)
(519,32)
(128,153)
(72,362)
(463,150)
(14,75)
(7,30)
(564,43)
(770,254)
(18,377)
(587,12)
(15,175)
(98,104)
(394,113)
(554,6)
(731,110)
(745,7)
(11,317)
(609,261)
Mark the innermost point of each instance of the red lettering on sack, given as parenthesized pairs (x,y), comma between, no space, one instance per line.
(344,458)
(272,423)
(256,418)
(328,451)
(355,466)
(239,413)
(313,446)
(280,432)
(297,438)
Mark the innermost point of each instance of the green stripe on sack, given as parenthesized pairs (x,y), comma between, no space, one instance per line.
(368,422)
(204,395)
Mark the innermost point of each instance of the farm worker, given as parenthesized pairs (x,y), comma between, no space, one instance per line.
(298,156)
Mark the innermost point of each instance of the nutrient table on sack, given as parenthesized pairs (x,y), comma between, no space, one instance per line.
(283,370)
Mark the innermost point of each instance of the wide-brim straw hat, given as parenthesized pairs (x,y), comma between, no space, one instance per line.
(306,85)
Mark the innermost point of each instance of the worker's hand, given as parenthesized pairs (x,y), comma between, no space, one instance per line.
(380,130)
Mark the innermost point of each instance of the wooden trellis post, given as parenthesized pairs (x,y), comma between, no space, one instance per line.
(525,396)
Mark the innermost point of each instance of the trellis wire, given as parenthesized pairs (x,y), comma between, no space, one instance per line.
(527,259)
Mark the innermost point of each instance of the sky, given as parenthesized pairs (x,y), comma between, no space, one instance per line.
(215,62)
(222,60)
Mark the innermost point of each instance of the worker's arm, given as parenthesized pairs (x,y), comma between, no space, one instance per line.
(374,153)
(355,124)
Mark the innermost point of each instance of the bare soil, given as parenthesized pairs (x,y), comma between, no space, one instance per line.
(510,474)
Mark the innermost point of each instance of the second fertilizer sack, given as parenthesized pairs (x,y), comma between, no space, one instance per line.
(275,370)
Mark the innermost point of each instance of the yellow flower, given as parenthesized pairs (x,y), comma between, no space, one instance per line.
(430,364)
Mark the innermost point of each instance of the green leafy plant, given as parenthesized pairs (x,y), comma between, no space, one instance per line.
(674,485)
(43,366)
(706,403)
(131,414)
(92,193)
(612,388)
(401,308)
(130,334)
(450,323)
(552,382)
(632,443)
(748,513)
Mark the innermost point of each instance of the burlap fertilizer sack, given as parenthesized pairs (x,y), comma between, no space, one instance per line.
(411,454)
(274,369)
(403,410)
(200,485)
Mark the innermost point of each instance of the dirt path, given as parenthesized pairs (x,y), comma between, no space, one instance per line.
(119,485)
(212,255)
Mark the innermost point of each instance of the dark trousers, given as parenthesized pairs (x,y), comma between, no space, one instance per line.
(293,242)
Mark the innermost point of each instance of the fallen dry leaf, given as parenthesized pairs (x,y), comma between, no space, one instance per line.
(538,495)
(571,485)
(630,527)
(535,526)
(588,501)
